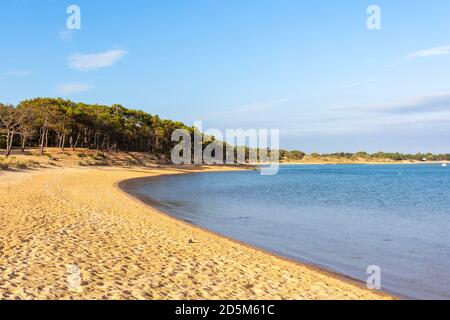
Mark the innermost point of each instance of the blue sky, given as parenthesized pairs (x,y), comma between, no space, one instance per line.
(310,68)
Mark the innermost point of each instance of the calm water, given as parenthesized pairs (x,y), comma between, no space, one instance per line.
(342,218)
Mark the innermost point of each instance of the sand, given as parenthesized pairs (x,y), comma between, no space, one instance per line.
(70,233)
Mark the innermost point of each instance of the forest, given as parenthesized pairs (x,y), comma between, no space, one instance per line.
(55,122)
(48,122)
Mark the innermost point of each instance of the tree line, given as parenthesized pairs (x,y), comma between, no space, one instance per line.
(55,122)
(395,156)
(48,122)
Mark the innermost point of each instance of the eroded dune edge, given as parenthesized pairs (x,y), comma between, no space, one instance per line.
(55,222)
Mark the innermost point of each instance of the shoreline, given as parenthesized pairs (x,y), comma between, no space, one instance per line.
(54,218)
(124,185)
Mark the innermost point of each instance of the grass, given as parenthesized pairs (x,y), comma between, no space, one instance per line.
(13,162)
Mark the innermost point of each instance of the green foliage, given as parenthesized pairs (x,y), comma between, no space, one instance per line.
(294,155)
(385,156)
(63,123)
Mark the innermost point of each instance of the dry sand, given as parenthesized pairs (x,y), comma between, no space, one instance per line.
(54,222)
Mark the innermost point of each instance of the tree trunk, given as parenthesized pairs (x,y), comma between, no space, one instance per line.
(46,138)
(58,139)
(41,152)
(76,141)
(24,141)
(7,143)
(63,141)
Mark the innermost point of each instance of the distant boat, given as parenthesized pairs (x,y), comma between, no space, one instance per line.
(444,164)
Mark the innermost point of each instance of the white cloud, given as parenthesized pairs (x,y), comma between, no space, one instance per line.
(89,62)
(72,88)
(15,73)
(362,83)
(392,64)
(428,53)
(376,124)
(245,110)
(430,103)
(260,106)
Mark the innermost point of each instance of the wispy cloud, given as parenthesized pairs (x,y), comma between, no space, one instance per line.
(428,53)
(421,104)
(15,73)
(421,54)
(415,115)
(378,124)
(362,83)
(392,64)
(65,34)
(72,88)
(260,106)
(89,62)
(244,110)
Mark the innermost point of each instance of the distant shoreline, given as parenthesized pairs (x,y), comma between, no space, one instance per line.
(361,163)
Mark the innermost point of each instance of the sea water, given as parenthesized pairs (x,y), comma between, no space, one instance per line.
(344,218)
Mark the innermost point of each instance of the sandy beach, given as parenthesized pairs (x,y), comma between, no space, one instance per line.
(54,222)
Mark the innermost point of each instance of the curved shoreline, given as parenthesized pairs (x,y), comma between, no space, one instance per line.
(125,186)
(55,221)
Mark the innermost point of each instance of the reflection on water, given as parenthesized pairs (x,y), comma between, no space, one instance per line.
(343,218)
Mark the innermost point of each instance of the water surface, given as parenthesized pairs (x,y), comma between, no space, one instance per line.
(341,217)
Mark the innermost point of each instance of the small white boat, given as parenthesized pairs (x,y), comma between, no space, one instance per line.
(444,164)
